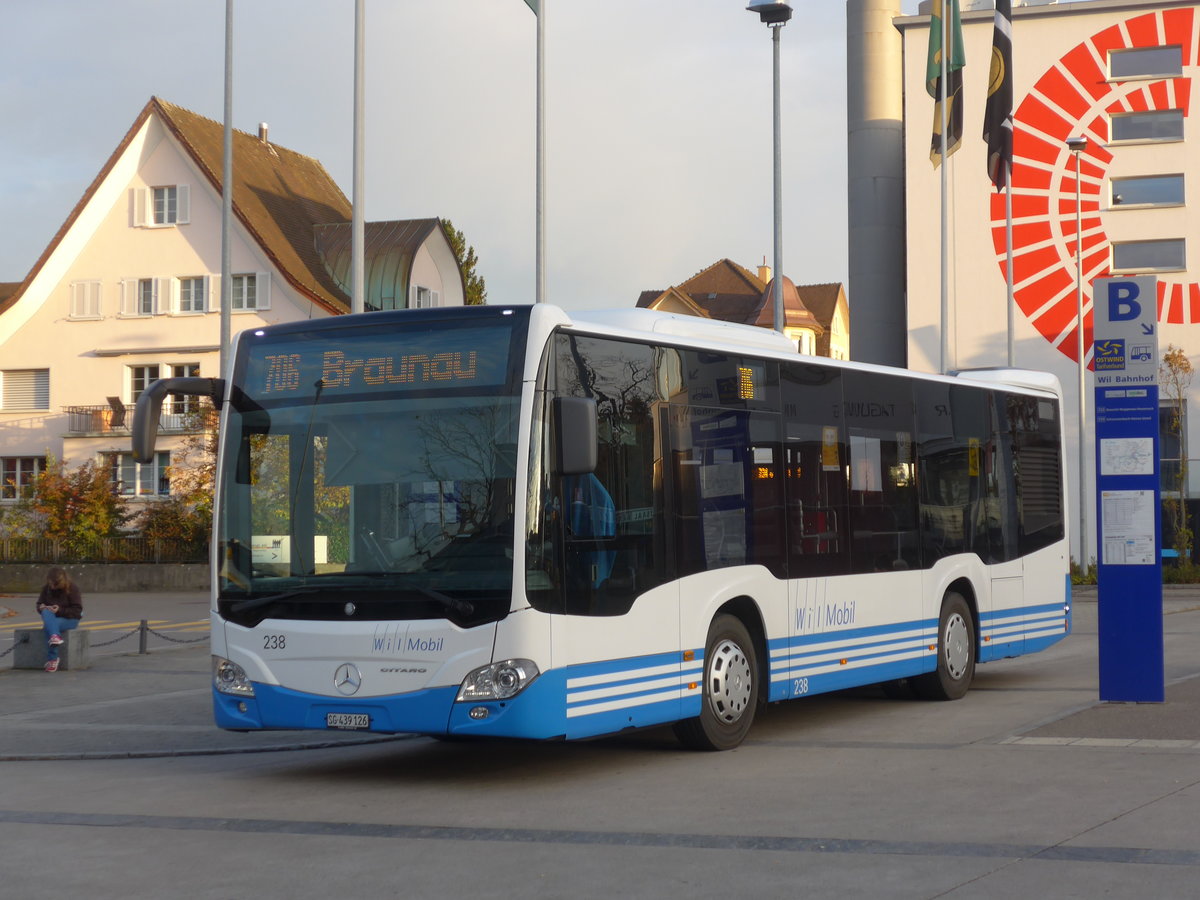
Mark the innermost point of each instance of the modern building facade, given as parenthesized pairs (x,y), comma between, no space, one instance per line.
(1120,73)
(129,288)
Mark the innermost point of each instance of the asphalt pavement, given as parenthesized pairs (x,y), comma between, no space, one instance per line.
(129,704)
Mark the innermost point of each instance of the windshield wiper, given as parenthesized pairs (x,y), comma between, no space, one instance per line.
(459,606)
(256,602)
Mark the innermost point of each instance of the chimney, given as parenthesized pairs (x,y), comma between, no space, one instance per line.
(764,272)
(262,132)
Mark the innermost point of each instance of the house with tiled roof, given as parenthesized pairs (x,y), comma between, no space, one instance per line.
(128,290)
(816,316)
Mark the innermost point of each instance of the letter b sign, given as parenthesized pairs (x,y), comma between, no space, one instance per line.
(1123,304)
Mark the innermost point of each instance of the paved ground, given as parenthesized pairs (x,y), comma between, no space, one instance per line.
(158,704)
(127,704)
(1028,787)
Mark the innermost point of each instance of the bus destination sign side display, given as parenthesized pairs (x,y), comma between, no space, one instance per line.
(1125,316)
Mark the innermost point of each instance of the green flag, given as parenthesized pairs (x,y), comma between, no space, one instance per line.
(955,60)
(532,4)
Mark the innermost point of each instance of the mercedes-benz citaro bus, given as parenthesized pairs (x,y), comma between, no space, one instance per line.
(526,522)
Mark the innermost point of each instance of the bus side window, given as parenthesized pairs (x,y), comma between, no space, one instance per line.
(815,470)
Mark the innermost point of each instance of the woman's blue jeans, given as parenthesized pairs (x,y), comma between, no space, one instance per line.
(53,624)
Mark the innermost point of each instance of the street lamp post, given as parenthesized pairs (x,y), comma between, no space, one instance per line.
(775,14)
(1077,145)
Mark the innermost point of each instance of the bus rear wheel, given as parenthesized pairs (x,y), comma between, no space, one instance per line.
(956,653)
(730,689)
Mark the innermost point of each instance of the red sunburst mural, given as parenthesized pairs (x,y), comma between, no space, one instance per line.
(1074,96)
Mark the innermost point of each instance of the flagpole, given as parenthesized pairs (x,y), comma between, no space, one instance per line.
(227,197)
(945,295)
(540,191)
(1008,260)
(357,224)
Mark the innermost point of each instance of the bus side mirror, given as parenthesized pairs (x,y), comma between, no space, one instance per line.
(149,408)
(576,435)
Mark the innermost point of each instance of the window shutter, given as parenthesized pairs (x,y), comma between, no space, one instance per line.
(412,296)
(25,389)
(206,297)
(162,295)
(129,296)
(174,296)
(262,288)
(433,298)
(79,300)
(182,204)
(139,207)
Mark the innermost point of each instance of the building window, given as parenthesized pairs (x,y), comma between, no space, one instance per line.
(183,404)
(1172,446)
(139,296)
(140,378)
(18,475)
(192,294)
(251,292)
(161,207)
(85,300)
(1145,62)
(1163,125)
(166,205)
(422,297)
(24,389)
(1149,256)
(133,479)
(1148,190)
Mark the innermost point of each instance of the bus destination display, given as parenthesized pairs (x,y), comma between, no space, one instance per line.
(363,362)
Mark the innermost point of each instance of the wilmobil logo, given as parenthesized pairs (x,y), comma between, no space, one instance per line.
(1110,355)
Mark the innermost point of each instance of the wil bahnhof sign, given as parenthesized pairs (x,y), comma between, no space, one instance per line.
(1125,316)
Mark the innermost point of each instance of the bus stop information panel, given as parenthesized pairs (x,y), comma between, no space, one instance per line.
(1125,313)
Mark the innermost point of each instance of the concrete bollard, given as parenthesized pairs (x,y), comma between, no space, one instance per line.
(30,649)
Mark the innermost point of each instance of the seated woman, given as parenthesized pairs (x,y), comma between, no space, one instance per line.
(61,607)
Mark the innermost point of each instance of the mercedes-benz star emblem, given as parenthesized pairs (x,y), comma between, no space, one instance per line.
(347,679)
(350,609)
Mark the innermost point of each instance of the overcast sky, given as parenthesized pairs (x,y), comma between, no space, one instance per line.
(658,123)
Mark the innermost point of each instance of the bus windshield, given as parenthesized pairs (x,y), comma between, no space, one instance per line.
(370,472)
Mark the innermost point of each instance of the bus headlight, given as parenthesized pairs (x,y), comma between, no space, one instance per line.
(499,681)
(230,678)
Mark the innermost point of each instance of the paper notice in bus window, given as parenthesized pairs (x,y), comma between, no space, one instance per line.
(829,449)
(866,469)
(973,457)
(1127,533)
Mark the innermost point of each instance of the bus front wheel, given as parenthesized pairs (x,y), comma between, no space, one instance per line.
(730,689)
(956,653)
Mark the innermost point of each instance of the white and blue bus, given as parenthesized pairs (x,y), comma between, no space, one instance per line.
(523,522)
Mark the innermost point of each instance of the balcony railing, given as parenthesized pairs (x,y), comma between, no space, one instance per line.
(116,417)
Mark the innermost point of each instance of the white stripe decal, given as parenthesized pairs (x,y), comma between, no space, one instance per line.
(621,675)
(624,704)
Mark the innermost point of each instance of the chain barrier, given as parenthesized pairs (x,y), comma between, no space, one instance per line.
(121,638)
(15,645)
(142,630)
(175,640)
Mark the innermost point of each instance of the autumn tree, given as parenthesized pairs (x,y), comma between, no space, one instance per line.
(76,506)
(187,514)
(1175,378)
(475,290)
